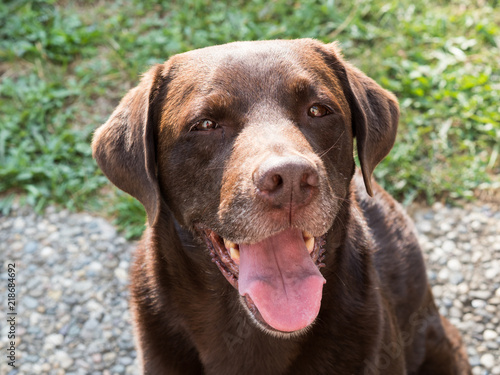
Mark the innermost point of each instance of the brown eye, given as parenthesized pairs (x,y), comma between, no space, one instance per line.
(205,125)
(318,110)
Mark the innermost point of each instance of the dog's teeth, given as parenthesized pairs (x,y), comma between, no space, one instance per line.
(229,244)
(235,254)
(233,249)
(309,244)
(309,240)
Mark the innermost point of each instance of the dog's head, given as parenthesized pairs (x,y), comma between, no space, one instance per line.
(250,145)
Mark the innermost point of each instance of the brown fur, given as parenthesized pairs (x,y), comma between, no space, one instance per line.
(377,313)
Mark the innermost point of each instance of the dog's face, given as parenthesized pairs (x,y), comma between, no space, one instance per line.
(250,145)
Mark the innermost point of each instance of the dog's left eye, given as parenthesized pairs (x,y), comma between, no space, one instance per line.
(318,110)
(205,125)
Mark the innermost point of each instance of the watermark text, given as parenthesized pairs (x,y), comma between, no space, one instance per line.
(11,314)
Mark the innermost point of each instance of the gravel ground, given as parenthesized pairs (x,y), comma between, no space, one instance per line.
(71,287)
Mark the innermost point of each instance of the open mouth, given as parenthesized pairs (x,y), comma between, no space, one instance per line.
(278,277)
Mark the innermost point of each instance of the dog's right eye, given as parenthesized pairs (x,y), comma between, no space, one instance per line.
(205,125)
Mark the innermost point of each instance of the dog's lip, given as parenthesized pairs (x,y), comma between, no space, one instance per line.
(220,255)
(230,269)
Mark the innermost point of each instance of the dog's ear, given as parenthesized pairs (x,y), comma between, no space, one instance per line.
(375,115)
(124,147)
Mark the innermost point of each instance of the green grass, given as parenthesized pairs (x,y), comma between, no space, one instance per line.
(64,66)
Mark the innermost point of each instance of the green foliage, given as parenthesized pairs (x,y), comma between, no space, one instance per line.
(130,215)
(40,30)
(64,66)
(443,65)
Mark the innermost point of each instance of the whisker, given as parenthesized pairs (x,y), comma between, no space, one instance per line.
(342,281)
(330,148)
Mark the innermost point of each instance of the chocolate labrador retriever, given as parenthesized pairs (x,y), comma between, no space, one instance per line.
(266,252)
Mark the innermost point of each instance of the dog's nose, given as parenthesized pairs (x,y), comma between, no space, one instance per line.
(283,180)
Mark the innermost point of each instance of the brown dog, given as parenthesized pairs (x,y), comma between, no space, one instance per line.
(265,253)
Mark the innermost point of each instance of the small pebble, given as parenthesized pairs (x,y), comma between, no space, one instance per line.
(489,334)
(63,359)
(487,360)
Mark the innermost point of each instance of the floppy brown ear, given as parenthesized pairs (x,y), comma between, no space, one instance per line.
(375,115)
(124,146)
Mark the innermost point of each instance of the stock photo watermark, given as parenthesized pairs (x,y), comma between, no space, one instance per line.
(11,314)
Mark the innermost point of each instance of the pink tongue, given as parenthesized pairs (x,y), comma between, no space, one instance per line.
(280,277)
